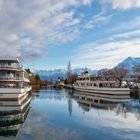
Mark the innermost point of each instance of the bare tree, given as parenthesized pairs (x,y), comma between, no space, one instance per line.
(136,70)
(121,73)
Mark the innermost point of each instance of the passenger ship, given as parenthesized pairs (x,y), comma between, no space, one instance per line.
(84,83)
(14,80)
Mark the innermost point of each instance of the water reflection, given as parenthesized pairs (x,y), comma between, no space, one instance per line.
(12,115)
(123,105)
(60,114)
(99,100)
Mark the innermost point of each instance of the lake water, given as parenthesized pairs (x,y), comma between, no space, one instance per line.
(59,115)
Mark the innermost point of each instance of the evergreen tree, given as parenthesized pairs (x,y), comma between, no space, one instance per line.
(37,77)
(28,70)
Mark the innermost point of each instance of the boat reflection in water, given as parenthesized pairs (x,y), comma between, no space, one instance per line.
(123,105)
(13,114)
(105,101)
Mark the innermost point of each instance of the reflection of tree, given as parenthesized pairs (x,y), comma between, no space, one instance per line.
(121,109)
(138,114)
(70,104)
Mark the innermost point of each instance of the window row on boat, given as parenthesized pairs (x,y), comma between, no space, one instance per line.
(82,79)
(98,84)
(13,84)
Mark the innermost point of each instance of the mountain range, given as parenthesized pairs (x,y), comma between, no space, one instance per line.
(128,64)
(61,73)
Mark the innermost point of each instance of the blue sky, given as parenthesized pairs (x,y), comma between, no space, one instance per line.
(46,34)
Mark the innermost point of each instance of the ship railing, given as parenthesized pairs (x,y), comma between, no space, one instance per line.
(10,78)
(9,66)
(13,86)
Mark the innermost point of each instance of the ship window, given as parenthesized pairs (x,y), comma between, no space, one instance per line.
(89,84)
(83,98)
(96,101)
(100,85)
(89,99)
(95,85)
(82,84)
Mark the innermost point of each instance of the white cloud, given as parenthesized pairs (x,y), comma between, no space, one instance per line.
(122,4)
(97,19)
(33,126)
(106,54)
(128,34)
(122,41)
(28,25)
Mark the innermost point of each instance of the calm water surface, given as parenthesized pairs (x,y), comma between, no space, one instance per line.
(58,115)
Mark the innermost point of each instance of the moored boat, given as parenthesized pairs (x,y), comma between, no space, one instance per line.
(14,80)
(84,83)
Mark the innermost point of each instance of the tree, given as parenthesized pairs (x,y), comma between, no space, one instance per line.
(103,73)
(111,74)
(28,70)
(120,73)
(37,77)
(136,69)
(114,74)
(71,79)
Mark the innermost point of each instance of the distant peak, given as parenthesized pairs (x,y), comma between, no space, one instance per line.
(129,57)
(133,58)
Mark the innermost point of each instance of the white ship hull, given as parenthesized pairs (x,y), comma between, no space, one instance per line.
(13,93)
(12,107)
(103,90)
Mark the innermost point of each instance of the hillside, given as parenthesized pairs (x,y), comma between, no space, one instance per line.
(129,64)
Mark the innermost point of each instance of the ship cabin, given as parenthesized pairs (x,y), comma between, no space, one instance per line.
(12,75)
(85,80)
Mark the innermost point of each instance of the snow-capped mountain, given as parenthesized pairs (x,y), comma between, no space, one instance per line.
(129,64)
(61,73)
(53,75)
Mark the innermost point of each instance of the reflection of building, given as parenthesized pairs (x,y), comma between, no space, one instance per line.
(125,110)
(14,80)
(13,115)
(69,105)
(121,106)
(99,100)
